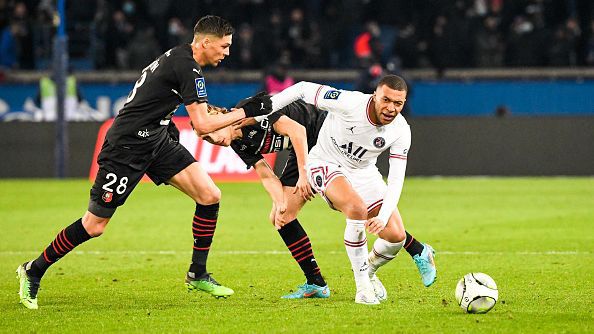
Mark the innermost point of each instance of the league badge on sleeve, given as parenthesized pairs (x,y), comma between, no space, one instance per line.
(200,87)
(332,95)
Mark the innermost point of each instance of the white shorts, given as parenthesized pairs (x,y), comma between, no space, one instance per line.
(367,182)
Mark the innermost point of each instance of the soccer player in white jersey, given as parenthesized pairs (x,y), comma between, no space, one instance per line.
(341,167)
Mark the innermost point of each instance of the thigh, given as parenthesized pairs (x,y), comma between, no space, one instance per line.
(370,185)
(320,174)
(196,183)
(290,173)
(171,159)
(117,176)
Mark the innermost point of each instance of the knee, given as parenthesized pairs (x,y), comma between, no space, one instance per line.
(212,196)
(95,226)
(356,210)
(395,236)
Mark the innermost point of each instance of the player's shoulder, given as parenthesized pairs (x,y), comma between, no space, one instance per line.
(343,94)
(180,51)
(180,57)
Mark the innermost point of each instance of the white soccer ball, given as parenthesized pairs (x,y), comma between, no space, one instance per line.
(476,293)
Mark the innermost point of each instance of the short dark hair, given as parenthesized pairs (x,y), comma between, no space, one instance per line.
(213,25)
(393,81)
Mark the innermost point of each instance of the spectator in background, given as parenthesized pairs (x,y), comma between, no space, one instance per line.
(297,37)
(367,46)
(277,79)
(245,44)
(44,32)
(100,30)
(562,49)
(120,32)
(177,33)
(8,54)
(522,43)
(143,49)
(407,46)
(275,44)
(46,100)
(313,56)
(369,77)
(590,46)
(22,30)
(488,44)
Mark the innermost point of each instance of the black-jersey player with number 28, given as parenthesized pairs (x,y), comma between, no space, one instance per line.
(143,140)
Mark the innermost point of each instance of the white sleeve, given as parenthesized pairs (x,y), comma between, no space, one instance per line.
(323,97)
(398,156)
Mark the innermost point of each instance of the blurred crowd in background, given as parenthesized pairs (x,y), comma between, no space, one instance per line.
(129,34)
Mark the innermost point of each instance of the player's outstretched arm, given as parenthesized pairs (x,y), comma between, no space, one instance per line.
(296,132)
(274,188)
(303,90)
(204,123)
(396,174)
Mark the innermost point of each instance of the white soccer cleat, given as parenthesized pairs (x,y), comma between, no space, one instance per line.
(378,288)
(366,297)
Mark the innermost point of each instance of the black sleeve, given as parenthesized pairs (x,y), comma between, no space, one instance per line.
(191,82)
(275,116)
(296,111)
(248,159)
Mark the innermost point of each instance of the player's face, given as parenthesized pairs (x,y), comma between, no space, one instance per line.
(221,137)
(388,103)
(216,49)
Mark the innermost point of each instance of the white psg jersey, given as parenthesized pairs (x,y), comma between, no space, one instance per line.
(349,138)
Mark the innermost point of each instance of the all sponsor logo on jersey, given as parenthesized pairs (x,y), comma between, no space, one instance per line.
(332,95)
(379,142)
(143,133)
(200,87)
(107,196)
(350,150)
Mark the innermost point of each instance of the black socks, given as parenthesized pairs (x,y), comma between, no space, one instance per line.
(203,228)
(298,243)
(65,241)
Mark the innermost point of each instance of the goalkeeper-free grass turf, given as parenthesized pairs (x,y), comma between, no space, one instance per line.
(534,236)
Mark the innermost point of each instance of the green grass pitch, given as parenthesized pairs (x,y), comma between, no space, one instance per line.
(534,236)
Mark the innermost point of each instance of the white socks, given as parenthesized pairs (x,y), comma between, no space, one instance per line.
(355,242)
(382,252)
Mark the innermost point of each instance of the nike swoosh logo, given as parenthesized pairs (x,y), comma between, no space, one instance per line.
(195,70)
(306,294)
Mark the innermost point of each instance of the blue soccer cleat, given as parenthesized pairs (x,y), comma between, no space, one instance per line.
(309,291)
(426,265)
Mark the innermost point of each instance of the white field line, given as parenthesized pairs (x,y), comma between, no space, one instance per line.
(284,252)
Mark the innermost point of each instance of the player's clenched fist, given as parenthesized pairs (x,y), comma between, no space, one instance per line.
(257,105)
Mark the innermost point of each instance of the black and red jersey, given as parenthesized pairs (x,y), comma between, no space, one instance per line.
(173,78)
(261,138)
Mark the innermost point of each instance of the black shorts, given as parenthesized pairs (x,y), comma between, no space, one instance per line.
(290,173)
(121,169)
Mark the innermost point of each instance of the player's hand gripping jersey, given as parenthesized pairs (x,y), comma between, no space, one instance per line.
(348,137)
(173,78)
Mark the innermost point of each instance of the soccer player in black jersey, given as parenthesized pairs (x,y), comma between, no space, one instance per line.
(295,128)
(143,140)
